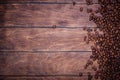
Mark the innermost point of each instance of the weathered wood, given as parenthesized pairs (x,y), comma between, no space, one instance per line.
(44,39)
(54,39)
(77,1)
(48,78)
(47,15)
(43,63)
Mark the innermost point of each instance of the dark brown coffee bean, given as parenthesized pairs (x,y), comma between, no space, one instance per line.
(105,38)
(80,74)
(74,3)
(81,9)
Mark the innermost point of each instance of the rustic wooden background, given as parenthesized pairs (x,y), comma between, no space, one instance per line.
(31,46)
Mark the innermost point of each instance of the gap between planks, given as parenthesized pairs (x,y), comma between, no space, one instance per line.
(29,2)
(38,51)
(45,27)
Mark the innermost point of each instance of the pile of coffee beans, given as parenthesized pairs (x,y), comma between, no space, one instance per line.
(106,40)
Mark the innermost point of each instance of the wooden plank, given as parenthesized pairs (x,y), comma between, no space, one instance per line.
(49,78)
(28,0)
(44,63)
(78,1)
(44,39)
(42,15)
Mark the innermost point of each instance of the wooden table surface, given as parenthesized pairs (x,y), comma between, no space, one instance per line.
(44,37)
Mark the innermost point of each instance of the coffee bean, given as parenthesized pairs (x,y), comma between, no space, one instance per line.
(105,38)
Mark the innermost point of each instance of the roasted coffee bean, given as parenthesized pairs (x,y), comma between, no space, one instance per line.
(94,68)
(89,76)
(54,26)
(89,62)
(81,9)
(89,2)
(74,3)
(85,38)
(80,74)
(89,10)
(105,38)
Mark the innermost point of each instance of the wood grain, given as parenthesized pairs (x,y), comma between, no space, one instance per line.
(49,78)
(47,15)
(44,63)
(45,39)
(81,1)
